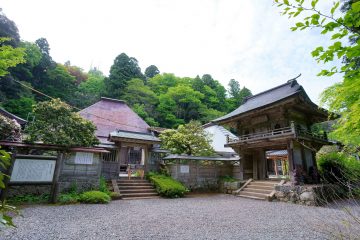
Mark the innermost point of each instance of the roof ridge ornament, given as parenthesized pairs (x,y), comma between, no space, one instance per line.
(293,80)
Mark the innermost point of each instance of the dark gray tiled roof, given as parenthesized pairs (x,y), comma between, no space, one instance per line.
(134,135)
(12,116)
(265,98)
(189,157)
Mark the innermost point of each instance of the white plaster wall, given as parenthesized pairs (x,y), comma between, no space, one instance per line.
(219,139)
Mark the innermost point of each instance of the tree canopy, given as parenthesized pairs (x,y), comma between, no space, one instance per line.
(190,139)
(56,123)
(344,97)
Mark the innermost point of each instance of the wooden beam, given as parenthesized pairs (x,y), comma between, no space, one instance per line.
(55,184)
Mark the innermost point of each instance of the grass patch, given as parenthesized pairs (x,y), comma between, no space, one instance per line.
(227,178)
(94,197)
(167,186)
(28,199)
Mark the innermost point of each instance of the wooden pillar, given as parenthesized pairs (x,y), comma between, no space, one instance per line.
(241,165)
(290,147)
(255,159)
(262,164)
(55,181)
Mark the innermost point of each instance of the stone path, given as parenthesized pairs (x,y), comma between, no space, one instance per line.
(200,217)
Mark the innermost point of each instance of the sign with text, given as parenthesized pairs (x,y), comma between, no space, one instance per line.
(33,170)
(184,169)
(84,158)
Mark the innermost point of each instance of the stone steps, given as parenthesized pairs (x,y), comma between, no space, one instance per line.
(258,189)
(131,189)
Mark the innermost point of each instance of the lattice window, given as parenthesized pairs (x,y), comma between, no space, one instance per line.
(135,155)
(110,157)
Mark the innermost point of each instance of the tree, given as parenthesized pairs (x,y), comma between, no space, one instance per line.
(190,139)
(56,123)
(20,107)
(140,110)
(179,105)
(234,88)
(10,130)
(342,98)
(137,92)
(8,29)
(9,56)
(123,69)
(151,71)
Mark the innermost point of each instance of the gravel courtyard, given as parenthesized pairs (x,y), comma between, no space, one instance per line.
(202,217)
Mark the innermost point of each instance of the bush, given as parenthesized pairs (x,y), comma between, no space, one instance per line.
(69,198)
(103,186)
(167,186)
(227,178)
(94,197)
(338,167)
(115,195)
(29,199)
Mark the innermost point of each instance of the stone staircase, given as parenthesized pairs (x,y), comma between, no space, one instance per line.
(136,189)
(262,189)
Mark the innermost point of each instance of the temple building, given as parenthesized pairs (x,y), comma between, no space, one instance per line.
(274,137)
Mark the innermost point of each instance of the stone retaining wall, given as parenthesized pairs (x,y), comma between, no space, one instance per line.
(309,195)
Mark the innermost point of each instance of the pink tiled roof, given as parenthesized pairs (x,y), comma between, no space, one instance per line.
(110,114)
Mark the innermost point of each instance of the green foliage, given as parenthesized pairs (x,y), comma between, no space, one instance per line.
(9,56)
(29,199)
(151,71)
(344,97)
(20,107)
(9,129)
(190,139)
(103,186)
(123,69)
(69,198)
(55,123)
(340,168)
(167,186)
(227,178)
(94,197)
(115,195)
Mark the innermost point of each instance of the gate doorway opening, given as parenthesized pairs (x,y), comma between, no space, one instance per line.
(277,164)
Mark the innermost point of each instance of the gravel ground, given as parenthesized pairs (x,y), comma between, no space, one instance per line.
(202,217)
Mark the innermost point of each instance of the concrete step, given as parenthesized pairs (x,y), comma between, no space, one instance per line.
(134,184)
(267,183)
(132,181)
(139,198)
(253,194)
(135,187)
(260,186)
(251,197)
(139,190)
(257,190)
(135,195)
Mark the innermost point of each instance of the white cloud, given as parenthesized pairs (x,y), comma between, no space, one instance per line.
(245,40)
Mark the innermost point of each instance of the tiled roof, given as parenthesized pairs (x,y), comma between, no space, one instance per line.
(134,135)
(265,98)
(110,115)
(12,116)
(189,157)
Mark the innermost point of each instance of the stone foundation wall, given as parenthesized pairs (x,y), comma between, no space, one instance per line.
(28,189)
(309,195)
(229,187)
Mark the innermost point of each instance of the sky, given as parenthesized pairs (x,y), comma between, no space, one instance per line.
(246,40)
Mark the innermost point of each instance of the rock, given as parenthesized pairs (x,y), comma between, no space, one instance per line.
(307,196)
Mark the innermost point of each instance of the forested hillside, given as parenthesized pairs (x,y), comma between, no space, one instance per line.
(162,99)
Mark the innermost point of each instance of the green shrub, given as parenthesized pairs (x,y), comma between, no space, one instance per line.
(29,199)
(94,197)
(227,178)
(166,186)
(115,195)
(103,186)
(69,198)
(338,167)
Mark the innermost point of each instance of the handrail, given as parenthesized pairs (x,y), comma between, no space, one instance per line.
(243,186)
(276,133)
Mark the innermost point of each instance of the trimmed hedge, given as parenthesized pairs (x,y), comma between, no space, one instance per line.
(167,186)
(94,197)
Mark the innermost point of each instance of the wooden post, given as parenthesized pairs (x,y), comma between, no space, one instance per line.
(55,184)
(8,172)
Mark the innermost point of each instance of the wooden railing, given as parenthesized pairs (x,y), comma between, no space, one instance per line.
(286,131)
(263,135)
